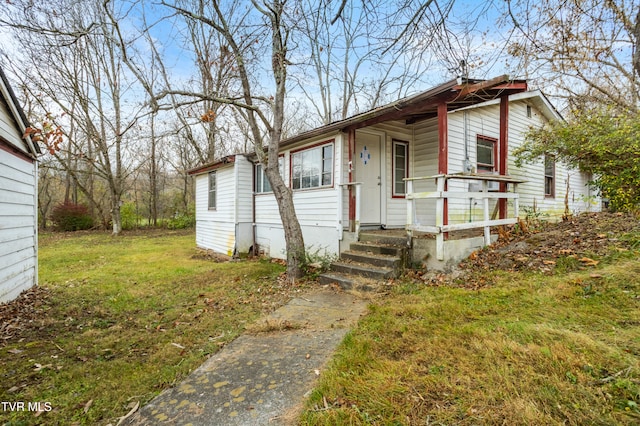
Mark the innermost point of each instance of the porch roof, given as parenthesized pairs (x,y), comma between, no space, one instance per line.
(454,94)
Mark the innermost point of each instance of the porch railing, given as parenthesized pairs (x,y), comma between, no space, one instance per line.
(441,194)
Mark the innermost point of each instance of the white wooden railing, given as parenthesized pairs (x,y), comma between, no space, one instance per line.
(440,194)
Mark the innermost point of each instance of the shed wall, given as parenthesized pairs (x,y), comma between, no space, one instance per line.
(215,229)
(18,231)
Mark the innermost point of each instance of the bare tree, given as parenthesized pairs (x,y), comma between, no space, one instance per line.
(367,53)
(587,50)
(245,28)
(85,84)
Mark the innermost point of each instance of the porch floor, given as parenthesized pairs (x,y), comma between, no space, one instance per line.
(453,235)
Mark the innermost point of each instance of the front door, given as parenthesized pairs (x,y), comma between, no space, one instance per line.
(368,171)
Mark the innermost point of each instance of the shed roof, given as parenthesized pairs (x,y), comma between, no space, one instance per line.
(17,112)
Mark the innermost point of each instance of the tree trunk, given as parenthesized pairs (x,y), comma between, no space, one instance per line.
(291,226)
(116,218)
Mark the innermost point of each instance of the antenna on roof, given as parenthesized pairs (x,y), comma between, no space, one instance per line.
(464,71)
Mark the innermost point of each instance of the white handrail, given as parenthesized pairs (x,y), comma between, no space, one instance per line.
(440,195)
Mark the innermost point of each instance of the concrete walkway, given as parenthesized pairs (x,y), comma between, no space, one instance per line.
(261,378)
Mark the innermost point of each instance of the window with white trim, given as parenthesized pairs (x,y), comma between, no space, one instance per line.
(312,168)
(262,183)
(549,176)
(400,167)
(212,190)
(486,151)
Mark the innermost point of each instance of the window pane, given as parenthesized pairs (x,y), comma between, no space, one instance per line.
(266,186)
(399,168)
(297,170)
(548,166)
(313,167)
(212,190)
(485,152)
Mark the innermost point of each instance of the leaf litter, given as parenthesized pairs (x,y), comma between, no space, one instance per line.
(579,242)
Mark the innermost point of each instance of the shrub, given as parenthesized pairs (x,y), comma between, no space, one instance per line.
(130,219)
(182,220)
(71,217)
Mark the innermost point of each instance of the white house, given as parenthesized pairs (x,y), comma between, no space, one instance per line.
(437,162)
(18,199)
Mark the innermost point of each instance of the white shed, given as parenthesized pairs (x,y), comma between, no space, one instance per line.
(18,199)
(224,205)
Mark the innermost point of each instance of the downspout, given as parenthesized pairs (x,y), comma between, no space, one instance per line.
(235,207)
(466,166)
(254,248)
(339,188)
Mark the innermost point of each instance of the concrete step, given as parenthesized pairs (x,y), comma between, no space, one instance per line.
(348,281)
(377,248)
(364,270)
(374,259)
(394,239)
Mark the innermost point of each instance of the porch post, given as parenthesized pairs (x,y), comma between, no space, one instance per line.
(503,151)
(352,195)
(443,153)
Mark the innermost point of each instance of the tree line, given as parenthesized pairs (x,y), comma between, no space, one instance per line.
(127,95)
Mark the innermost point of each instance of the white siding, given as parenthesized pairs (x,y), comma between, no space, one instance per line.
(484,121)
(425,163)
(18,231)
(580,197)
(244,204)
(215,229)
(9,130)
(316,209)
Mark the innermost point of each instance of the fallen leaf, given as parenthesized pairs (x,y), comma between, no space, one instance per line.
(565,252)
(177,345)
(317,372)
(549,262)
(588,261)
(38,367)
(87,406)
(14,351)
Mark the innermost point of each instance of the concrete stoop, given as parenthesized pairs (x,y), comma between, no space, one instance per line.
(369,262)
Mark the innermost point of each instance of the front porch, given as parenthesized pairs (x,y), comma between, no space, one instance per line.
(439,239)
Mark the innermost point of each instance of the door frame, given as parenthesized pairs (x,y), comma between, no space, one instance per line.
(383,171)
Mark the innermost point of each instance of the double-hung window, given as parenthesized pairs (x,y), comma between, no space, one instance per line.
(262,183)
(212,190)
(486,150)
(312,167)
(400,167)
(549,176)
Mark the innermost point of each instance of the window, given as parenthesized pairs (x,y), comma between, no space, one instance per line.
(313,167)
(549,176)
(529,111)
(262,183)
(400,167)
(212,190)
(486,150)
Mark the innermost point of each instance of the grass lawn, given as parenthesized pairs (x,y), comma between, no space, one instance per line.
(532,349)
(118,320)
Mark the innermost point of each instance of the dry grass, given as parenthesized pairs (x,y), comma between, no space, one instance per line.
(120,319)
(531,349)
